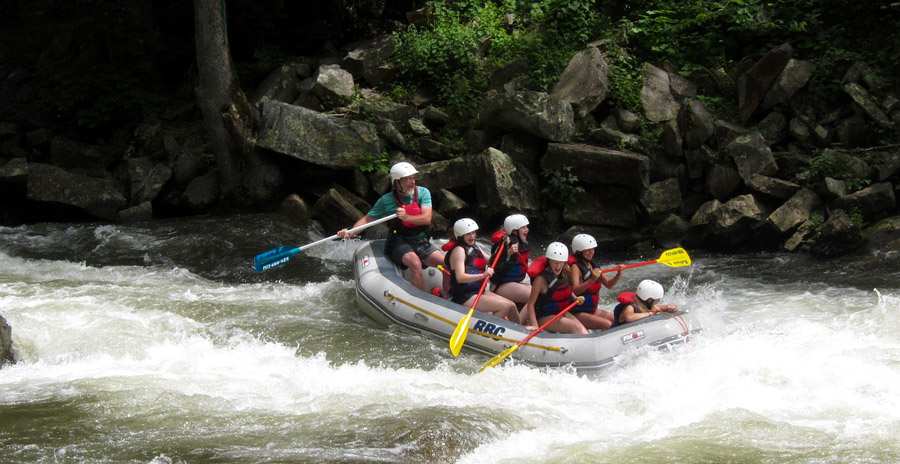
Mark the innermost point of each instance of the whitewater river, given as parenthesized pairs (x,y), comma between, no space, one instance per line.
(159,343)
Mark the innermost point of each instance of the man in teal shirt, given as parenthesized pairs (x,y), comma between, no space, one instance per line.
(407,245)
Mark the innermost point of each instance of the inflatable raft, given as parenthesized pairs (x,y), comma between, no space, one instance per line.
(386,296)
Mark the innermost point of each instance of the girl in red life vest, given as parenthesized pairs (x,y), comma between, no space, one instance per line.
(587,282)
(642,303)
(511,267)
(551,293)
(468,269)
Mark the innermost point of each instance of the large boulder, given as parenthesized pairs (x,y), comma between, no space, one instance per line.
(333,85)
(364,58)
(793,77)
(282,84)
(503,188)
(602,206)
(756,82)
(661,199)
(596,165)
(146,178)
(733,222)
(100,198)
(752,156)
(6,351)
(536,113)
(870,201)
(866,104)
(448,174)
(316,138)
(793,212)
(656,95)
(695,122)
(584,83)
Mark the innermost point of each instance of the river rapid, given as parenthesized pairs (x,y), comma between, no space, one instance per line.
(158,343)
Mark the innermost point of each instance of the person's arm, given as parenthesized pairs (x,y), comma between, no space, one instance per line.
(423,219)
(579,287)
(670,307)
(343,233)
(458,263)
(631,316)
(538,286)
(610,282)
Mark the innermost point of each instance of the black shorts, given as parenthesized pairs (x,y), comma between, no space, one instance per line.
(400,245)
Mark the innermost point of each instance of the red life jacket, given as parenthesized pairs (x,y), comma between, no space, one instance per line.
(557,297)
(412,209)
(539,264)
(509,268)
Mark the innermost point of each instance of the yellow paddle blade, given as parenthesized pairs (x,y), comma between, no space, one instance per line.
(496,360)
(676,257)
(459,335)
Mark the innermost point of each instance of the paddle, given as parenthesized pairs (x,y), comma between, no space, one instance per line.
(500,357)
(281,255)
(462,329)
(676,257)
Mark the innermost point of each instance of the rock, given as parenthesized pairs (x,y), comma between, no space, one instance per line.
(337,209)
(502,188)
(146,179)
(316,138)
(793,212)
(450,205)
(887,165)
(201,193)
(609,239)
(794,76)
(448,174)
(773,187)
(282,84)
(831,189)
(704,214)
(656,95)
(672,141)
(525,149)
(584,83)
(837,236)
(295,208)
(363,57)
(661,199)
(14,174)
(190,164)
(613,138)
(671,231)
(867,104)
(725,132)
(6,349)
(536,113)
(853,132)
(597,165)
(773,128)
(699,160)
(333,86)
(626,120)
(602,206)
(72,155)
(735,220)
(100,198)
(752,156)
(870,201)
(756,82)
(722,181)
(695,122)
(139,213)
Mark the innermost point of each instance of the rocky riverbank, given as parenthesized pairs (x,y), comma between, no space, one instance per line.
(673,174)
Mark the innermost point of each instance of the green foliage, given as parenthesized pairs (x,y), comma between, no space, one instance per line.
(856,217)
(468,39)
(560,188)
(374,162)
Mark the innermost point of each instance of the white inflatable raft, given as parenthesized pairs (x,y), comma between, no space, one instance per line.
(387,297)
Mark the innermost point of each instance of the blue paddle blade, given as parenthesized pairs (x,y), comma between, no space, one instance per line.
(274,258)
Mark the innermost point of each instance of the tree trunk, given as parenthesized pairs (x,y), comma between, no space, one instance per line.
(224,106)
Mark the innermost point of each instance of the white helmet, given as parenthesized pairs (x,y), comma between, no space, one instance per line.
(401,170)
(464,226)
(557,251)
(583,242)
(514,222)
(649,289)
